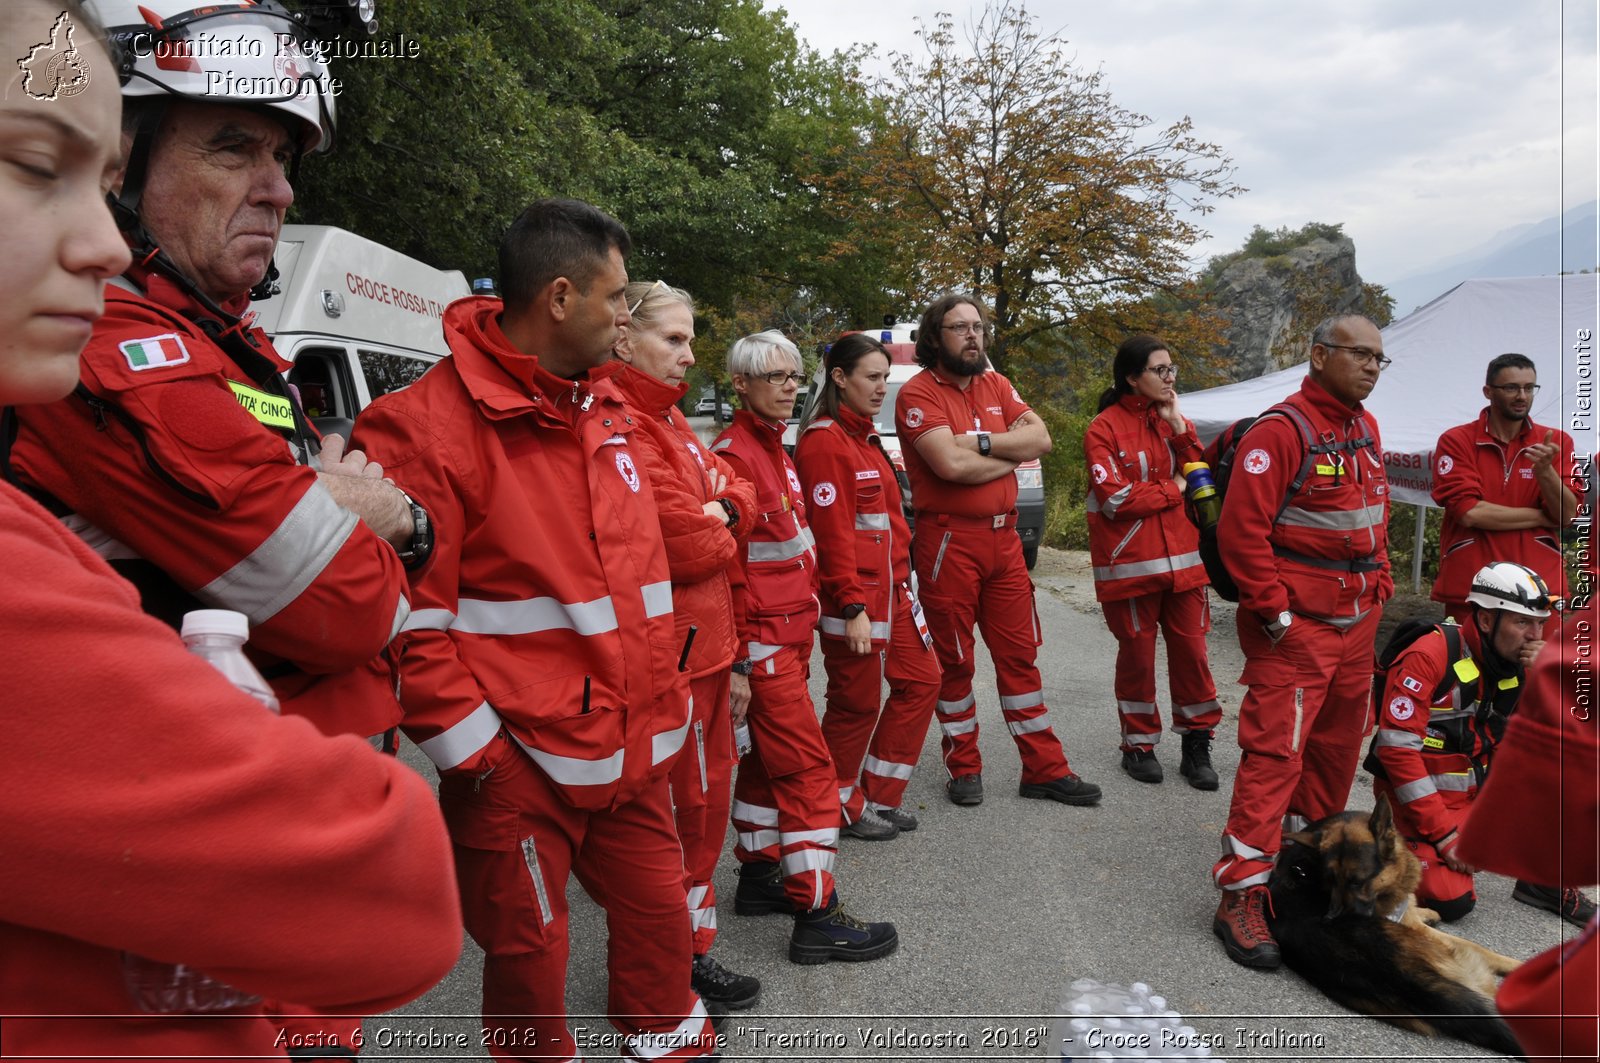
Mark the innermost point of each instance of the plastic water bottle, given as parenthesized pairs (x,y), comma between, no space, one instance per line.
(218,635)
(1097,1020)
(1203,493)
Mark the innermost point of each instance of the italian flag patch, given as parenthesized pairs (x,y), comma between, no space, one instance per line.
(157,352)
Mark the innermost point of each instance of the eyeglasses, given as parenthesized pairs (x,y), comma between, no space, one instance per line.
(965,328)
(1364,355)
(1165,372)
(778,377)
(640,301)
(1511,390)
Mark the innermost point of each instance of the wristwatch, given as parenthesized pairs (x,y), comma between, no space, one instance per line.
(744,667)
(731,510)
(984,444)
(1277,627)
(852,611)
(415,555)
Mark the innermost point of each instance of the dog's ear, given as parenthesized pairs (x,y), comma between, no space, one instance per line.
(1302,837)
(1381,824)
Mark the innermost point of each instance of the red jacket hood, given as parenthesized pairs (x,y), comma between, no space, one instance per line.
(505,378)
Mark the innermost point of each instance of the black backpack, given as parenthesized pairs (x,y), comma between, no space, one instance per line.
(1408,632)
(1220,456)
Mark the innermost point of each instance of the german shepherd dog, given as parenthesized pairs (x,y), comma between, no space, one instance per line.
(1336,892)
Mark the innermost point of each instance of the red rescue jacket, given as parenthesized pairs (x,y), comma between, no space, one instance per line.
(1325,556)
(700,548)
(863,542)
(1140,541)
(780,561)
(546,607)
(179,472)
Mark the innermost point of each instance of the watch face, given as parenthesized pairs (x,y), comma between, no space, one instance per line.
(1285,618)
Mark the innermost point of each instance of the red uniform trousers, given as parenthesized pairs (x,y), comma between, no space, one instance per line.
(855,682)
(1439,884)
(516,842)
(1185,618)
(971,572)
(786,802)
(1301,725)
(702,791)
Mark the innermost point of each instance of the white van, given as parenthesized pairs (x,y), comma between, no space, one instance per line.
(356,318)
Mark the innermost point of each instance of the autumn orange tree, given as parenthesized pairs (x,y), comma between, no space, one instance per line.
(1007,169)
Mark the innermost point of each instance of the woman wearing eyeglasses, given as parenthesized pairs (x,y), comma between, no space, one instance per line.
(871,625)
(1147,569)
(706,511)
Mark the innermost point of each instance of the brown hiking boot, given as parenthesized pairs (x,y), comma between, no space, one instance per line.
(1241,923)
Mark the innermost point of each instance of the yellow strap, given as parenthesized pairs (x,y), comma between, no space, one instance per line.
(1507,684)
(1328,470)
(1466,670)
(274,411)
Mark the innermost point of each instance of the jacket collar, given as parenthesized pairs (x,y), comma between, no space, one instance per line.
(1485,436)
(853,423)
(647,393)
(768,433)
(506,381)
(1324,403)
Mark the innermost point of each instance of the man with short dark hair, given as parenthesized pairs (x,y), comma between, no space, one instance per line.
(966,430)
(1508,488)
(1312,567)
(540,672)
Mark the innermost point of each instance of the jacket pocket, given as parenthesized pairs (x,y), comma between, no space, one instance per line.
(1316,595)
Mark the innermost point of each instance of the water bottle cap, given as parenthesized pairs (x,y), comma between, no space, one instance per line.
(216,622)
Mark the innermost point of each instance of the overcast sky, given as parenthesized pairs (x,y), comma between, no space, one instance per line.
(1424,126)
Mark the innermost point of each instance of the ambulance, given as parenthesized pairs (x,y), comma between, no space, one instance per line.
(356,318)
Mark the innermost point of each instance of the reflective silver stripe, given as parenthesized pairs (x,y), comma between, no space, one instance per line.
(1334,520)
(1199,708)
(758,815)
(785,550)
(1232,846)
(1022,701)
(756,840)
(835,625)
(685,1034)
(950,708)
(96,539)
(1299,718)
(952,728)
(1040,722)
(1459,782)
(938,559)
(828,836)
(1126,539)
(872,522)
(1113,503)
(1395,739)
(803,860)
(1413,791)
(478,616)
(1144,466)
(887,769)
(1444,715)
(429,620)
(844,794)
(1136,708)
(1155,566)
(531,855)
(721,444)
(1292,823)
(760,651)
(402,613)
(820,422)
(1140,739)
(576,771)
(697,898)
(287,562)
(700,756)
(666,744)
(657,598)
(462,739)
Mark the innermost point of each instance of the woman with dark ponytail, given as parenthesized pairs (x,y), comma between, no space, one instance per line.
(1147,569)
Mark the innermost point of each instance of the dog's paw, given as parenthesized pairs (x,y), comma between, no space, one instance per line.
(1428,916)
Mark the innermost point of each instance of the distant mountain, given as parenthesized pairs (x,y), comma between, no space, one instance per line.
(1527,250)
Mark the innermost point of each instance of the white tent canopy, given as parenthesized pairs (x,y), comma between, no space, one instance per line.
(1440,353)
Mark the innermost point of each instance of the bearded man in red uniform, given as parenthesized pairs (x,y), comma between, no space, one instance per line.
(965,430)
(1312,566)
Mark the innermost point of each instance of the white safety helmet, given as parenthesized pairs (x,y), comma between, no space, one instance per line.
(247,53)
(1511,587)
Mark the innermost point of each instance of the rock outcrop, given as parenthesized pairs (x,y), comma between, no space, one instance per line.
(1273,302)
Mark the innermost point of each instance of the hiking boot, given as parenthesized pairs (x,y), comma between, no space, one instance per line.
(871,827)
(1241,923)
(1069,790)
(904,820)
(761,891)
(965,790)
(1570,904)
(829,933)
(1196,763)
(718,985)
(1141,765)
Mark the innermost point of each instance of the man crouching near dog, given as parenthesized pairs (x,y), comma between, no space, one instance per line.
(1312,566)
(1445,702)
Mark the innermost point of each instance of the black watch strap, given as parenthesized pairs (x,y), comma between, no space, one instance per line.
(744,667)
(732,511)
(852,611)
(416,554)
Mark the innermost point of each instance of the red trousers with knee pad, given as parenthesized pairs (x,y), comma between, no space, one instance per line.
(786,799)
(1184,618)
(971,573)
(702,792)
(1301,726)
(515,843)
(875,753)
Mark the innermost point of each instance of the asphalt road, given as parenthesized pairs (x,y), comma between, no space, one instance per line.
(1000,907)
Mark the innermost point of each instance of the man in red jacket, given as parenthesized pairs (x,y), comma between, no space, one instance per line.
(541,673)
(1312,566)
(966,429)
(1508,488)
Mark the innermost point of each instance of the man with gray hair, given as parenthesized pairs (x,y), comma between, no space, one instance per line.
(1306,523)
(786,800)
